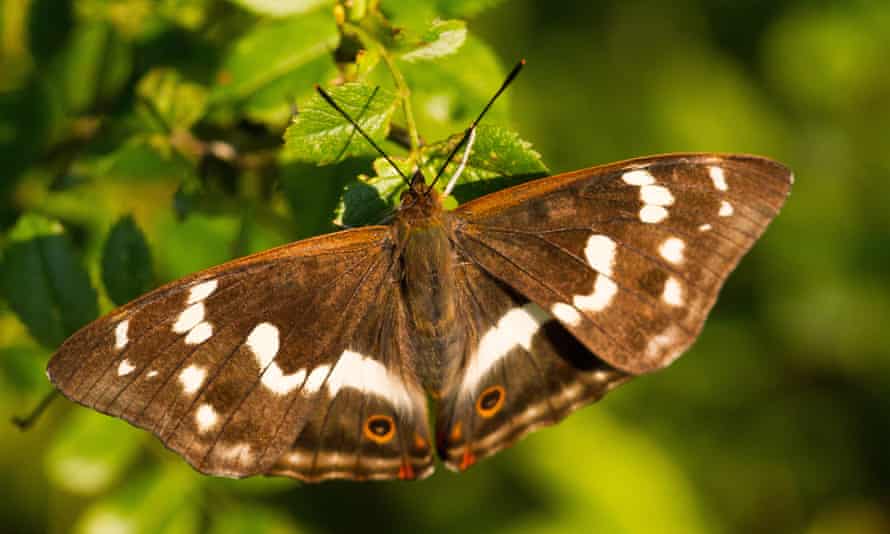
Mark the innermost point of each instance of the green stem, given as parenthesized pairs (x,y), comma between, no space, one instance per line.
(398,78)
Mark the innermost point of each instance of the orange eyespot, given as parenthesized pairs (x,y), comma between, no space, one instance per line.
(380,429)
(490,401)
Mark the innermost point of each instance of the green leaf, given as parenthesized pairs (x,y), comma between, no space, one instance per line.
(313,193)
(281,8)
(22,369)
(161,500)
(251,519)
(447,94)
(44,282)
(272,104)
(91,451)
(321,135)
(140,158)
(94,65)
(273,50)
(172,100)
(200,241)
(443,38)
(464,8)
(126,262)
(368,200)
(498,159)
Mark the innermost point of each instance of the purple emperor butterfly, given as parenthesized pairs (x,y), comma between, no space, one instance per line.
(313,360)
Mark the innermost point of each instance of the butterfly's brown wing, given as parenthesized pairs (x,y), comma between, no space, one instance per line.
(524,370)
(287,350)
(628,257)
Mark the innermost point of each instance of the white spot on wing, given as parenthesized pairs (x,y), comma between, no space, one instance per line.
(201,291)
(600,253)
(665,345)
(191,378)
(515,328)
(638,178)
(673,292)
(316,379)
(120,334)
(276,380)
(725,209)
(718,177)
(705,228)
(566,313)
(604,289)
(239,452)
(653,214)
(152,374)
(189,318)
(125,368)
(365,374)
(656,195)
(199,334)
(205,417)
(672,250)
(263,341)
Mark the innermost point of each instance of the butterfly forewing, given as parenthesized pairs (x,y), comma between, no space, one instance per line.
(231,366)
(629,256)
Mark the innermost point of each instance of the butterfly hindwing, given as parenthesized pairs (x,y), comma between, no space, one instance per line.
(522,370)
(629,256)
(230,366)
(361,435)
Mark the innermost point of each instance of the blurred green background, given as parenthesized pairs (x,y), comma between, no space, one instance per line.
(777,419)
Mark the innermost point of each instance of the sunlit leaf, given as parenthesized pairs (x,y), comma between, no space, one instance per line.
(138,158)
(448,93)
(442,39)
(44,281)
(281,8)
(273,50)
(320,135)
(499,158)
(93,66)
(91,451)
(273,104)
(126,262)
(172,100)
(465,8)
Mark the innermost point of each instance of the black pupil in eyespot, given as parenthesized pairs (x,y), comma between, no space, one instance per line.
(490,399)
(379,427)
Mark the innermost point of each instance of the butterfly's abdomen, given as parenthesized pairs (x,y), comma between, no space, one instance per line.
(428,286)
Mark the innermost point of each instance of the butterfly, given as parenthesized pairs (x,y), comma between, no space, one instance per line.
(322,358)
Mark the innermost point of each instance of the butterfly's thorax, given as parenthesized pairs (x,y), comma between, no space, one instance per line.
(428,261)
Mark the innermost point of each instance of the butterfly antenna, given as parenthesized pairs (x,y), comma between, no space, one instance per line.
(359,129)
(471,130)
